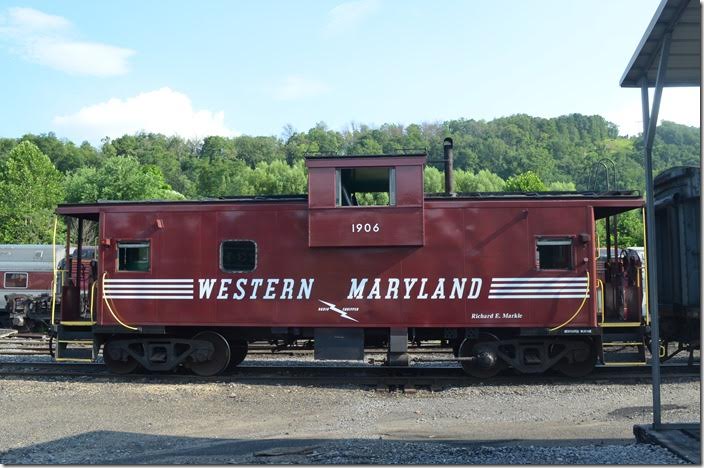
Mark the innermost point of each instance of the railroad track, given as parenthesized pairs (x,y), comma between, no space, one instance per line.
(24,345)
(381,377)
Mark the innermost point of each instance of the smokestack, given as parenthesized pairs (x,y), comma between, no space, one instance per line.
(447,153)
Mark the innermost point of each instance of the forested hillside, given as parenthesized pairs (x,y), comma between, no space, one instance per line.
(509,153)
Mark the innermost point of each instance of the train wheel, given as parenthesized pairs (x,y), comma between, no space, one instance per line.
(218,360)
(486,363)
(579,361)
(238,351)
(120,363)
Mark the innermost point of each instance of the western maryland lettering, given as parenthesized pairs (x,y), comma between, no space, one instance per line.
(359,288)
(413,288)
(245,288)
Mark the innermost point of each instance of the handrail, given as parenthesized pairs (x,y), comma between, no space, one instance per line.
(92,297)
(586,293)
(107,303)
(600,285)
(53,262)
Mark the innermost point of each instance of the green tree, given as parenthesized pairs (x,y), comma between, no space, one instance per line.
(561,187)
(278,178)
(525,182)
(119,178)
(433,181)
(30,189)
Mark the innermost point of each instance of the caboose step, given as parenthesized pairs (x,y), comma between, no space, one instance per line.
(623,353)
(74,343)
(77,323)
(620,324)
(74,350)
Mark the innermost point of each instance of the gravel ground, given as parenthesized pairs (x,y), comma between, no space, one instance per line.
(96,420)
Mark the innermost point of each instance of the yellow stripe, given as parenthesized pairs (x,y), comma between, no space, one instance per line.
(620,324)
(77,324)
(73,359)
(623,343)
(624,364)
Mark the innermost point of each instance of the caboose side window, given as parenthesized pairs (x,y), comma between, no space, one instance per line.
(133,256)
(365,186)
(554,253)
(16,280)
(238,256)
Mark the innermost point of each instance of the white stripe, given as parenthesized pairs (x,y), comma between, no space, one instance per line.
(540,279)
(135,280)
(148,291)
(148,297)
(546,290)
(538,285)
(539,296)
(142,286)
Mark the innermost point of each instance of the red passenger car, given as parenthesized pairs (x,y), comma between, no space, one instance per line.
(366,257)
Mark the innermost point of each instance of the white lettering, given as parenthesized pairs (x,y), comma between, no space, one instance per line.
(356,288)
(457,288)
(240,288)
(439,290)
(224,283)
(408,283)
(375,292)
(270,292)
(205,287)
(422,294)
(256,282)
(306,287)
(475,288)
(287,291)
(392,292)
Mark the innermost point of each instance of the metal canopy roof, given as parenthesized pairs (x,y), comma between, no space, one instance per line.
(684,19)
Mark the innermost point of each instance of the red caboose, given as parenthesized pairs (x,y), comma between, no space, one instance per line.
(366,257)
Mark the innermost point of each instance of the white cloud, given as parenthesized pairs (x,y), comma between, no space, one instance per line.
(31,19)
(47,40)
(296,87)
(680,105)
(346,16)
(162,111)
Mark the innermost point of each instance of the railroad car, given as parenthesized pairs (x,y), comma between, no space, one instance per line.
(26,271)
(677,195)
(509,279)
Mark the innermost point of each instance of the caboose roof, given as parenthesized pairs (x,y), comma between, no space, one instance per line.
(367,160)
(606,203)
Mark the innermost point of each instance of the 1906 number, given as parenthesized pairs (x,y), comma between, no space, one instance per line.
(366,227)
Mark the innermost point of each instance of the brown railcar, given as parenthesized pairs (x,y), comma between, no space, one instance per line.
(366,257)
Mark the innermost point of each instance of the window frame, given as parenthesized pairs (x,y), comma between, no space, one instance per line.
(26,283)
(132,241)
(220,255)
(392,187)
(571,260)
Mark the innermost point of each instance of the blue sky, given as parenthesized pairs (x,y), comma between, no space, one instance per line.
(85,70)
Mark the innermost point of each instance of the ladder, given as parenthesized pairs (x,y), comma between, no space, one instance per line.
(623,344)
(75,343)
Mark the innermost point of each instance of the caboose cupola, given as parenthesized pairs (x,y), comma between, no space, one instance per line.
(365,201)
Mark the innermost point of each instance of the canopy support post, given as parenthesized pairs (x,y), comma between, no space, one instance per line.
(650,120)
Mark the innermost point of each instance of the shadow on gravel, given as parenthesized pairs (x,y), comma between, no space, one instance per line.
(107,447)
